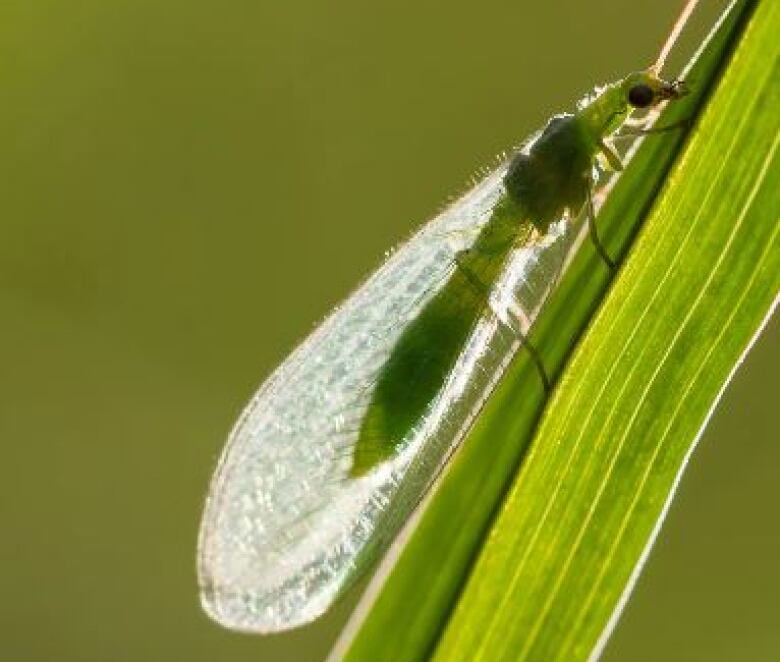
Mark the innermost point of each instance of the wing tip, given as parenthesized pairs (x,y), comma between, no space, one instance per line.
(237,611)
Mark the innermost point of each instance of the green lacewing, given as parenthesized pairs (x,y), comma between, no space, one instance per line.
(340,443)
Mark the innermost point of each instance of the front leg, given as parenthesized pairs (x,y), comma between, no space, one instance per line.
(644,130)
(612,157)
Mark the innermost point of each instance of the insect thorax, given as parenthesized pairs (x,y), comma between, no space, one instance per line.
(553,174)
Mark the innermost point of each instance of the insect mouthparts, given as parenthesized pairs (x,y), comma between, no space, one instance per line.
(675,89)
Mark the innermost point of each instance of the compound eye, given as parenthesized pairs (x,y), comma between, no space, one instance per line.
(640,96)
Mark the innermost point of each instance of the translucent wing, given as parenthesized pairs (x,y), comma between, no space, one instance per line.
(286,528)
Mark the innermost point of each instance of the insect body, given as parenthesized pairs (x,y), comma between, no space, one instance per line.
(552,178)
(341,442)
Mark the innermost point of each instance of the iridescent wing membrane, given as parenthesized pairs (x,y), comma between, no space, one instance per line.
(286,528)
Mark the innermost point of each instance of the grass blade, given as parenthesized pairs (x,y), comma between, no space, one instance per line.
(413,596)
(613,443)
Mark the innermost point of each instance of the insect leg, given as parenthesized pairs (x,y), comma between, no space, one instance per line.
(611,156)
(590,212)
(629,131)
(474,280)
(515,311)
(536,358)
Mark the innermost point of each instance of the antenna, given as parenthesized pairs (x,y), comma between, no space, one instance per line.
(671,40)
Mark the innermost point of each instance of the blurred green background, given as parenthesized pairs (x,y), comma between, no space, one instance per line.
(187,188)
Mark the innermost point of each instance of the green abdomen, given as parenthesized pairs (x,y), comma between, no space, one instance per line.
(422,360)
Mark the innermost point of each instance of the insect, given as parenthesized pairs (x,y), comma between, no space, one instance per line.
(342,440)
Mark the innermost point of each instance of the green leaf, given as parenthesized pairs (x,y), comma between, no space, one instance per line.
(630,404)
(616,437)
